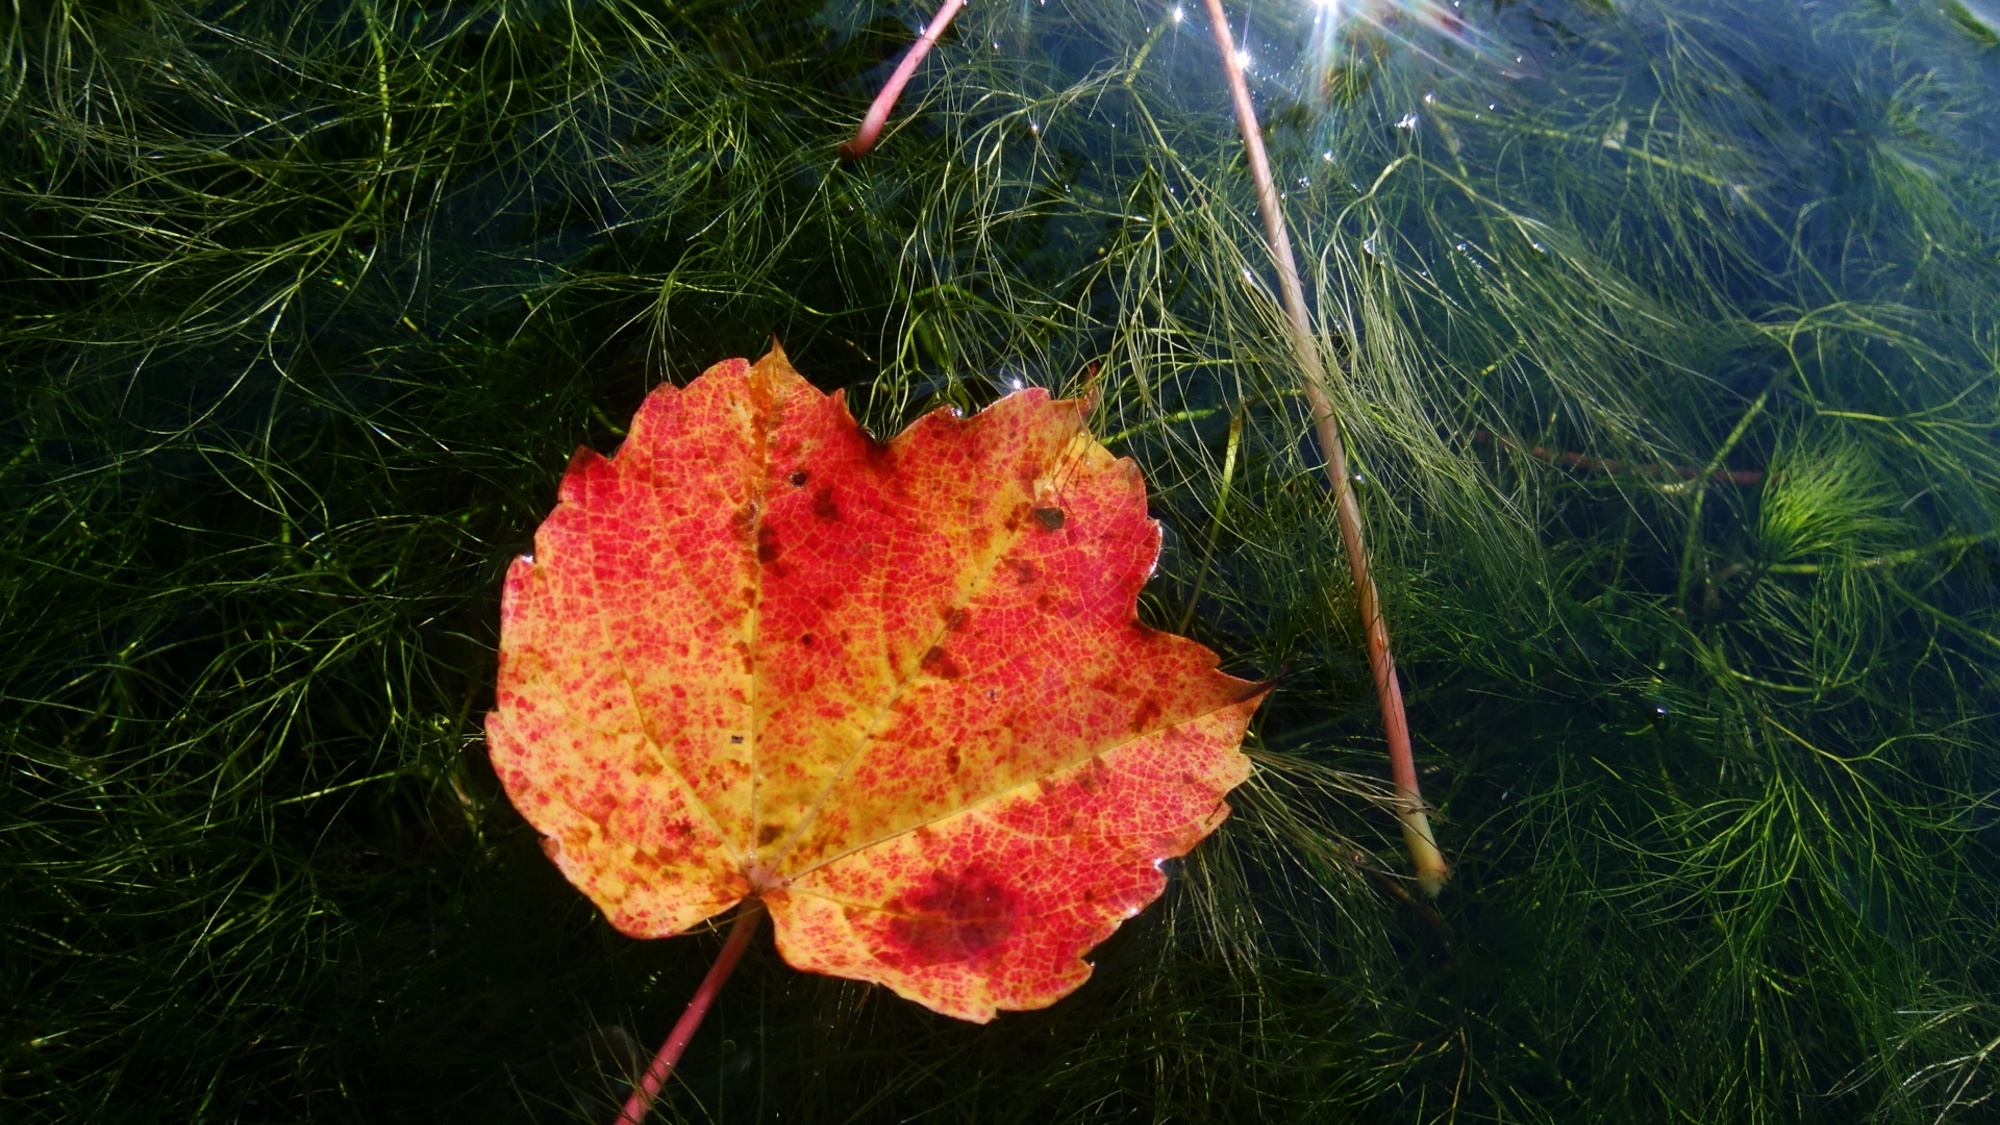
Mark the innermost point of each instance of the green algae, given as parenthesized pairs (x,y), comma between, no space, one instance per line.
(1668,348)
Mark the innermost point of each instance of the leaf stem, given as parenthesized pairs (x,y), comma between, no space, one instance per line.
(1432,871)
(878,112)
(662,1065)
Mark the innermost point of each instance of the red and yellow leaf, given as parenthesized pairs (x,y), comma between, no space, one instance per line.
(898,691)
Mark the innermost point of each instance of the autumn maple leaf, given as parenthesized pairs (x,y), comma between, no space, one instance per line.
(899,692)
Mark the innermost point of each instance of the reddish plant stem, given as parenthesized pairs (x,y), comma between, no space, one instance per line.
(1431,869)
(1583,462)
(648,1089)
(878,112)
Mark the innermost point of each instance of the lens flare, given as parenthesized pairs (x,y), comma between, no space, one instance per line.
(1349,36)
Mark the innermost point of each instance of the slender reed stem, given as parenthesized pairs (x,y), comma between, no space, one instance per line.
(878,113)
(1432,870)
(1221,506)
(662,1066)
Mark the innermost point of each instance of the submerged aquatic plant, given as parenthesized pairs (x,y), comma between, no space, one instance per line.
(308,304)
(1431,868)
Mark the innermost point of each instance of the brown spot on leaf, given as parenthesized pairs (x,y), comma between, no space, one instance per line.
(767,544)
(799,478)
(768,834)
(1050,518)
(823,505)
(938,663)
(952,761)
(955,620)
(743,519)
(1092,776)
(1025,572)
(1149,709)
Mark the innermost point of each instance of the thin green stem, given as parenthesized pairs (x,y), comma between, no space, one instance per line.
(1221,506)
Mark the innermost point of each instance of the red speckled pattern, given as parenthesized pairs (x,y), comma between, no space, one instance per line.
(900,692)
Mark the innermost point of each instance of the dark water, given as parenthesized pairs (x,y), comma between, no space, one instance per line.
(1666,349)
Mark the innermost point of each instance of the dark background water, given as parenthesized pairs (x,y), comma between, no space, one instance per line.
(308,307)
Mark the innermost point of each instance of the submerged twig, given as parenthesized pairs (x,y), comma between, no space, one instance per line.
(1432,871)
(878,112)
(1609,466)
(662,1066)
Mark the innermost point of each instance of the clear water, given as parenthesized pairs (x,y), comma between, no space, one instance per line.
(1667,349)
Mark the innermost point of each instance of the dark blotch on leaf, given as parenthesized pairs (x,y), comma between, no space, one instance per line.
(961,916)
(1149,710)
(1050,518)
(937,663)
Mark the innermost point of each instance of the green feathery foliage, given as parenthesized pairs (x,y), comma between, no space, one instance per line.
(1668,342)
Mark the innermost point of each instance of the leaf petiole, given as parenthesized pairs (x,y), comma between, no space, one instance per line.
(885,102)
(662,1065)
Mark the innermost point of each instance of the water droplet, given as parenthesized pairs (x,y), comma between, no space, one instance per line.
(1409,121)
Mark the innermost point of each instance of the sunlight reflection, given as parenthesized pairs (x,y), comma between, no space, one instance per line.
(1354,33)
